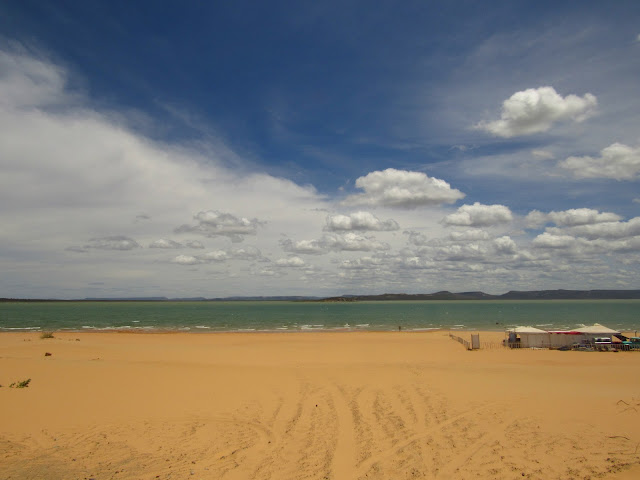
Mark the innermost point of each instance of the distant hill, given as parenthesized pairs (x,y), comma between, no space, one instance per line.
(128,299)
(512,295)
(443,295)
(572,295)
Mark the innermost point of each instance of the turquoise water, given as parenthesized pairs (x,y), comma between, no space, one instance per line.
(307,316)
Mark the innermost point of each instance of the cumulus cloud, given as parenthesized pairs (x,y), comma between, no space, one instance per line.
(214,256)
(362,221)
(586,241)
(417,239)
(248,253)
(469,235)
(291,262)
(606,230)
(581,246)
(402,189)
(165,243)
(219,256)
(186,260)
(89,170)
(304,247)
(353,242)
(333,242)
(505,245)
(461,236)
(115,242)
(542,154)
(617,161)
(535,110)
(478,215)
(363,263)
(461,252)
(570,218)
(214,223)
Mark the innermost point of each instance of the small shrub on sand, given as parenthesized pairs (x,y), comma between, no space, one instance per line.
(46,335)
(22,384)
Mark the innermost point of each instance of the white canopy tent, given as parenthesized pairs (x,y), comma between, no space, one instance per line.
(534,337)
(597,330)
(529,337)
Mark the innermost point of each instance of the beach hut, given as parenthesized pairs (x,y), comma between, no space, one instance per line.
(528,337)
(562,338)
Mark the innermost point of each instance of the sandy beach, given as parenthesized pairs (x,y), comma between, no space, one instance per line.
(365,405)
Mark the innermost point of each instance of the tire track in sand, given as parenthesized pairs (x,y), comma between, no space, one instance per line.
(343,462)
(365,466)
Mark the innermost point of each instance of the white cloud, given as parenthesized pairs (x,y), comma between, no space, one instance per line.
(353,242)
(461,252)
(362,221)
(214,223)
(617,161)
(28,81)
(363,263)
(469,235)
(91,171)
(505,245)
(114,242)
(186,260)
(291,262)
(220,256)
(569,218)
(306,247)
(402,189)
(603,230)
(417,239)
(247,253)
(586,248)
(165,243)
(478,215)
(333,242)
(542,154)
(463,236)
(214,256)
(535,110)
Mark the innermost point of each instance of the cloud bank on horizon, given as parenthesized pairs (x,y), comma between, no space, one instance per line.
(318,177)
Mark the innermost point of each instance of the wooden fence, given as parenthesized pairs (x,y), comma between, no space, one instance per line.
(464,342)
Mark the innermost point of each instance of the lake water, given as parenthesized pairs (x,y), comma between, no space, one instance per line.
(622,315)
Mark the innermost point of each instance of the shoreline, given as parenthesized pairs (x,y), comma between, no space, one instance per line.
(197,332)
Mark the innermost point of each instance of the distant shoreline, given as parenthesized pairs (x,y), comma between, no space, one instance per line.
(559,294)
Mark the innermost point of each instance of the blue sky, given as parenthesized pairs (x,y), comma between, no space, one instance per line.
(246,148)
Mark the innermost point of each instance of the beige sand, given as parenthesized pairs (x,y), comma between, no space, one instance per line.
(312,405)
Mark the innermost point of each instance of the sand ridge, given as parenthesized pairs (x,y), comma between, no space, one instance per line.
(366,405)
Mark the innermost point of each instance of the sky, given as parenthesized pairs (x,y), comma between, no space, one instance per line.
(213,149)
